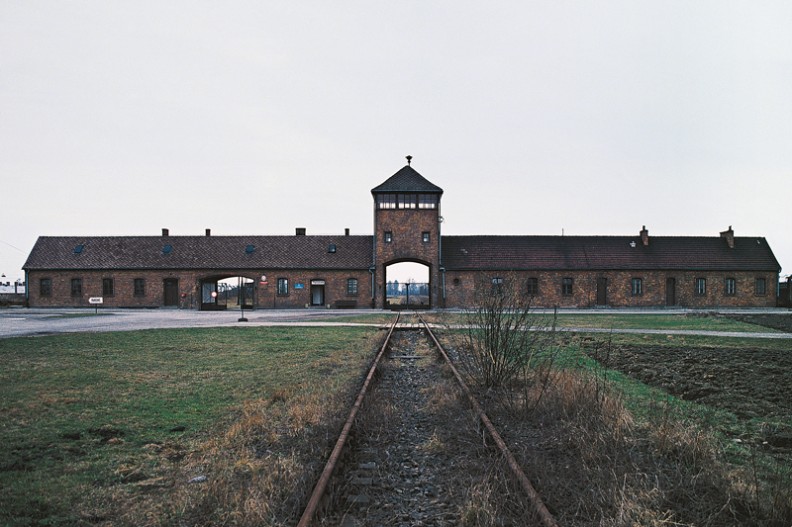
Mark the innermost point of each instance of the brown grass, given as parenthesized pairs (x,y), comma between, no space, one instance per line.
(259,472)
(596,466)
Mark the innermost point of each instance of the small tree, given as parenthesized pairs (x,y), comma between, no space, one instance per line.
(504,337)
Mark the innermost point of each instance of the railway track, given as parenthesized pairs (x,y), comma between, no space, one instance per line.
(412,452)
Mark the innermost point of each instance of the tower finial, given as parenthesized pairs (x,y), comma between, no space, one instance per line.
(409,160)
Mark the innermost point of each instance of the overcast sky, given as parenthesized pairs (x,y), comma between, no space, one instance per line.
(121,118)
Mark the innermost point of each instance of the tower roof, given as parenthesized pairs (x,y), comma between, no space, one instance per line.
(407,180)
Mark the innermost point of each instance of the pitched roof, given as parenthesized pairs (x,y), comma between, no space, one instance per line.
(407,180)
(606,253)
(200,252)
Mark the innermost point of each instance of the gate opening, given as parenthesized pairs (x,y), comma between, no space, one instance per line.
(407,286)
(222,293)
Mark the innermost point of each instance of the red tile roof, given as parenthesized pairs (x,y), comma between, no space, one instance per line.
(606,253)
(200,252)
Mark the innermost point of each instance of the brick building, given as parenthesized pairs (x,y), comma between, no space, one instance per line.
(352,271)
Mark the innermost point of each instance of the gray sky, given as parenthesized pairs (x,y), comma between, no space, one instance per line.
(121,118)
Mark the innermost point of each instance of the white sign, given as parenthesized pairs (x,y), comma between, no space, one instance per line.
(317,282)
(96,300)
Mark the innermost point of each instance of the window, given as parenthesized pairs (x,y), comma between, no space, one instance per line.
(760,286)
(407,201)
(730,287)
(533,286)
(352,286)
(388,236)
(497,285)
(386,201)
(283,286)
(427,201)
(107,287)
(139,285)
(701,286)
(636,287)
(45,287)
(425,237)
(566,286)
(76,287)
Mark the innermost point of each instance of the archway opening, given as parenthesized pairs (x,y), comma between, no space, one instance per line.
(219,293)
(407,286)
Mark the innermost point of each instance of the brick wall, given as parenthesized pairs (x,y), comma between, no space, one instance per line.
(461,288)
(407,228)
(189,292)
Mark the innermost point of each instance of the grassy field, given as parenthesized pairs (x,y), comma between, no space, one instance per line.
(108,429)
(660,321)
(89,419)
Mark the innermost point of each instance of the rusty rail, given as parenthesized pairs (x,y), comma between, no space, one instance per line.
(536,501)
(335,455)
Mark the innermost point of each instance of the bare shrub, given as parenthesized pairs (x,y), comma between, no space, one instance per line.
(504,337)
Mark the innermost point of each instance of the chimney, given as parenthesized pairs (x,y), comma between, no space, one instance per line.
(208,232)
(346,232)
(299,231)
(729,236)
(165,232)
(644,236)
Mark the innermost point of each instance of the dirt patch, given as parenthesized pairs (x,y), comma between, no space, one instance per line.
(751,383)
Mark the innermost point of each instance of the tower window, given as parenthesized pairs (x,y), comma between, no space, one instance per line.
(425,237)
(388,236)
(427,201)
(407,201)
(386,201)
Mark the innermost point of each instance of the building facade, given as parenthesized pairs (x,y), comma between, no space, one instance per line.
(348,271)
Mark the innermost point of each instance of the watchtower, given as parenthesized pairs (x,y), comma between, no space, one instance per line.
(407,229)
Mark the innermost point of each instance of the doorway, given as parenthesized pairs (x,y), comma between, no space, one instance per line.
(602,291)
(670,291)
(317,292)
(170,287)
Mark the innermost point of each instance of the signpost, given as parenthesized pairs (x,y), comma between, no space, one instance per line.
(96,301)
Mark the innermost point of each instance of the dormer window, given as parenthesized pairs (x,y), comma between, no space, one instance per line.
(250,249)
(78,249)
(331,248)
